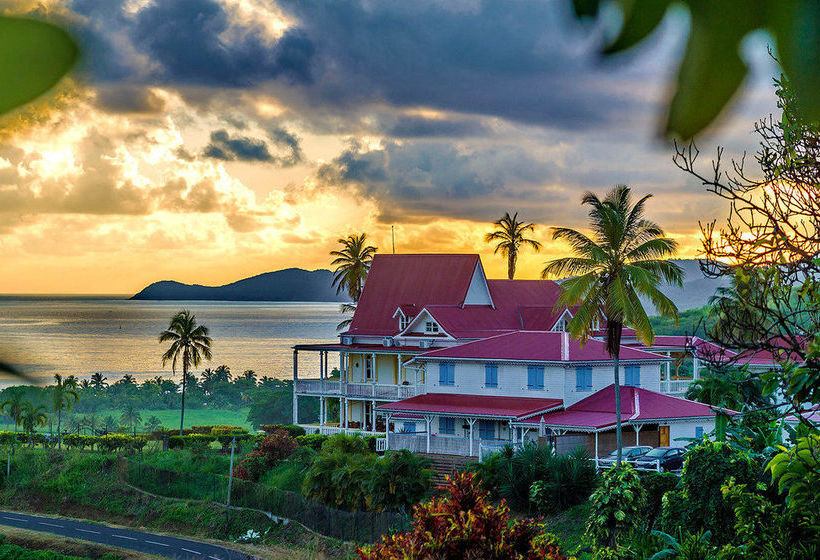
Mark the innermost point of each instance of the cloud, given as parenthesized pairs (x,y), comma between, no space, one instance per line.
(129,99)
(225,147)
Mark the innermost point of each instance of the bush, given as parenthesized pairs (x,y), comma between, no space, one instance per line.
(464,525)
(699,504)
(314,441)
(397,481)
(294,431)
(273,448)
(616,507)
(569,481)
(345,444)
(656,485)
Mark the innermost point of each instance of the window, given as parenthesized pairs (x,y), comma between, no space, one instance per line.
(368,368)
(699,432)
(408,427)
(431,327)
(535,377)
(632,376)
(583,378)
(447,426)
(491,375)
(486,429)
(446,373)
(403,322)
(560,326)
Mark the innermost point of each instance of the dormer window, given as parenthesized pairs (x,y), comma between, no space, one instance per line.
(431,327)
(403,322)
(560,326)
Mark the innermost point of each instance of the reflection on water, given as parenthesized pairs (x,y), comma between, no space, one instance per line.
(82,335)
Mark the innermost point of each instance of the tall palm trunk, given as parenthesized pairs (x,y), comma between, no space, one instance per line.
(512,257)
(59,430)
(184,378)
(618,438)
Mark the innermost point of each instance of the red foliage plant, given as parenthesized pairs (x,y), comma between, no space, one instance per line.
(463,525)
(275,447)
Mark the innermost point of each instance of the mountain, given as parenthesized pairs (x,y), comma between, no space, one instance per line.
(291,284)
(696,290)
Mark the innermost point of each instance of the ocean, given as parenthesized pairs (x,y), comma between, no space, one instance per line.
(81,335)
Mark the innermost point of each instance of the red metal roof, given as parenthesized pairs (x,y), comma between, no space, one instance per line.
(399,280)
(638,405)
(472,405)
(377,348)
(538,346)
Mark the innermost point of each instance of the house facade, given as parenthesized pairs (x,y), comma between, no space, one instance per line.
(440,359)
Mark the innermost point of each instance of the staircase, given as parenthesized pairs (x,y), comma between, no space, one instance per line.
(445,465)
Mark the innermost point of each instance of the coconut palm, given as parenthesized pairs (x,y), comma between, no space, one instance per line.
(352,264)
(99,381)
(13,407)
(222,374)
(510,233)
(190,343)
(63,394)
(625,257)
(31,418)
(208,380)
(248,377)
(131,416)
(153,424)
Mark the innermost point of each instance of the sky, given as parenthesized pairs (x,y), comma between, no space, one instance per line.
(209,140)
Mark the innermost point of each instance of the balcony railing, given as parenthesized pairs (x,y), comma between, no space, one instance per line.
(358,390)
(332,430)
(675,386)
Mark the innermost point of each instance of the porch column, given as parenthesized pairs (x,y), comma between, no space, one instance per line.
(637,433)
(373,414)
(695,366)
(471,421)
(295,381)
(428,420)
(375,374)
(322,370)
(596,448)
(343,412)
(512,431)
(387,418)
(321,411)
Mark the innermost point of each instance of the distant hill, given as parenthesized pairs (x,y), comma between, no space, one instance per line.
(696,290)
(292,284)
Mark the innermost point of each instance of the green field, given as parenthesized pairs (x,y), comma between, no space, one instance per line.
(170,418)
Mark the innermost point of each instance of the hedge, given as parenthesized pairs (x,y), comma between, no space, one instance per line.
(313,441)
(294,431)
(110,442)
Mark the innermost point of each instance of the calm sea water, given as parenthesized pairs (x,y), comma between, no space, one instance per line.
(83,335)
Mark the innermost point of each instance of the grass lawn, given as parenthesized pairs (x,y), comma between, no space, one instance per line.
(569,526)
(193,417)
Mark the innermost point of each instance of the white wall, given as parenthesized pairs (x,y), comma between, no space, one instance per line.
(687,429)
(603,376)
(512,380)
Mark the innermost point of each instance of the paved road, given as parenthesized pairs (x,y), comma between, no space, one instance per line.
(169,547)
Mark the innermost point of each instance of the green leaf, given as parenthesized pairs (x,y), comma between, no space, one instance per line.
(797,29)
(711,71)
(641,17)
(586,8)
(34,55)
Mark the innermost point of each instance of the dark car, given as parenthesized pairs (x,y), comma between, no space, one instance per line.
(628,454)
(662,459)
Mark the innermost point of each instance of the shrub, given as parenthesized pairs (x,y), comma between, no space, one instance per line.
(616,507)
(339,479)
(345,444)
(656,485)
(294,431)
(699,504)
(397,481)
(314,441)
(273,448)
(464,525)
(569,481)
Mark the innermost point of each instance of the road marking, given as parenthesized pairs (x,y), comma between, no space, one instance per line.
(125,537)
(17,519)
(214,557)
(159,543)
(89,531)
(189,550)
(50,524)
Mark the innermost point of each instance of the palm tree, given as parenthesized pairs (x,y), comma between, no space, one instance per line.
(189,344)
(13,406)
(208,380)
(625,257)
(127,379)
(222,374)
(109,424)
(64,394)
(131,416)
(510,234)
(248,377)
(31,418)
(352,264)
(153,424)
(99,381)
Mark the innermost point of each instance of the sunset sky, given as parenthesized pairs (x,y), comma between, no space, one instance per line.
(209,140)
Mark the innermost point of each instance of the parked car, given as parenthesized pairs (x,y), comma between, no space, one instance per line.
(662,459)
(629,454)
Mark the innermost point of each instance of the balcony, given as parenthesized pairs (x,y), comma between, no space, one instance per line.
(376,391)
(675,387)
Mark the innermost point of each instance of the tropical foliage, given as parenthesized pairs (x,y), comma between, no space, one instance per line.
(510,236)
(464,525)
(352,262)
(616,507)
(625,257)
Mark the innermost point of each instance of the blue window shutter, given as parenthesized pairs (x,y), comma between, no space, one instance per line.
(486,429)
(491,375)
(451,377)
(409,427)
(535,377)
(632,375)
(583,378)
(588,378)
(699,432)
(447,425)
(446,373)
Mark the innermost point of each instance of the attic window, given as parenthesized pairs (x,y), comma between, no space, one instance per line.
(560,326)
(431,327)
(403,322)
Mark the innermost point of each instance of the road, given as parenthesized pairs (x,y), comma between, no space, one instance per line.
(169,547)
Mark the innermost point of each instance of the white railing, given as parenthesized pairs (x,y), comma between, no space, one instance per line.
(377,391)
(323,386)
(487,448)
(446,445)
(332,430)
(673,386)
(381,445)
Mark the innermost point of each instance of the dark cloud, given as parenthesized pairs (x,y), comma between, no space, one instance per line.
(129,99)
(420,127)
(244,148)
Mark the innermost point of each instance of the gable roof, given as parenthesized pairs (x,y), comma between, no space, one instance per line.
(418,280)
(472,405)
(638,406)
(538,346)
